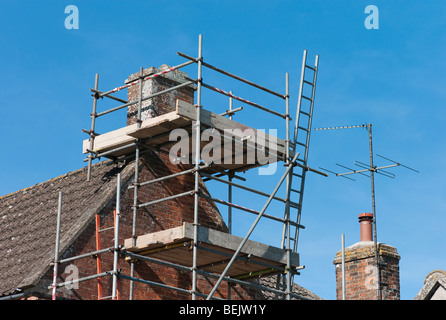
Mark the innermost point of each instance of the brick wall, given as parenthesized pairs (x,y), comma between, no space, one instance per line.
(162,103)
(360,272)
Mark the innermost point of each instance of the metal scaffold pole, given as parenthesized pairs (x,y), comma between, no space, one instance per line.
(136,181)
(56,249)
(116,240)
(288,183)
(230,176)
(92,128)
(197,167)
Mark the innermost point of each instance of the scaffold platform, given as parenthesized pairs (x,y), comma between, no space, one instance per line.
(155,133)
(216,248)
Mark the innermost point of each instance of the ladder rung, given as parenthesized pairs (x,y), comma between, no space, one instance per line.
(305,97)
(308,82)
(304,129)
(305,113)
(310,67)
(101,230)
(297,175)
(294,205)
(294,190)
(301,144)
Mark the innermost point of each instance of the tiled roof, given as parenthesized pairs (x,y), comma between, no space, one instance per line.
(28,221)
(271,282)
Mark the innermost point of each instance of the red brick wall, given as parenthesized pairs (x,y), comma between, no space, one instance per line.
(360,273)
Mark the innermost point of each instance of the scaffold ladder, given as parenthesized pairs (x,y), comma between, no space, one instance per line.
(300,144)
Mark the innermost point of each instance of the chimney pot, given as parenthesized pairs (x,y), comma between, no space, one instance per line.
(365,221)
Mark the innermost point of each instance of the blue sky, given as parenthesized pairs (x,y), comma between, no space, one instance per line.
(392,77)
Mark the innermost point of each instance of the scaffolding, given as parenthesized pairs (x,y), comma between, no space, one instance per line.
(226,254)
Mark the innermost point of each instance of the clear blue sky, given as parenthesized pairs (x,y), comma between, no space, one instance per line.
(392,77)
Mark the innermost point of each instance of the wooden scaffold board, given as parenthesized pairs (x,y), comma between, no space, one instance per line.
(215,250)
(154,132)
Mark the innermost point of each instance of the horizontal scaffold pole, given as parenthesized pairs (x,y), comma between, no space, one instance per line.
(171,176)
(187,193)
(232,76)
(144,98)
(245,188)
(145,78)
(243,100)
(232,205)
(73,281)
(109,96)
(85,255)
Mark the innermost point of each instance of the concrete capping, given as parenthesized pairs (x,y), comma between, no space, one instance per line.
(364,250)
(177,76)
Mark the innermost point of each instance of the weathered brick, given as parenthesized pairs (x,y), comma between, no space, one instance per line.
(359,258)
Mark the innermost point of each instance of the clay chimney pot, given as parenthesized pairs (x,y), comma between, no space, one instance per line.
(365,220)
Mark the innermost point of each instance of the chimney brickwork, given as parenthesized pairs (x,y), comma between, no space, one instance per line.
(360,268)
(160,104)
(158,164)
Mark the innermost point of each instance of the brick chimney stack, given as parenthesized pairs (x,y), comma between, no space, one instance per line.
(360,267)
(162,103)
(167,214)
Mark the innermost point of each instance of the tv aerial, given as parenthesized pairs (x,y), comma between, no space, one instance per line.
(369,171)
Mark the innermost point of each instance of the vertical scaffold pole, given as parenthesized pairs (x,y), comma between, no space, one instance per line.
(98,257)
(288,182)
(343,265)
(230,176)
(56,250)
(93,121)
(197,165)
(116,243)
(136,180)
